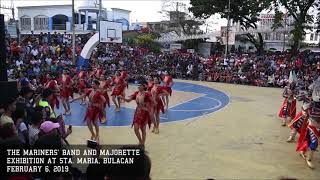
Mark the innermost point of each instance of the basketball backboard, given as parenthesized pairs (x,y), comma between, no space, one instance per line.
(110,32)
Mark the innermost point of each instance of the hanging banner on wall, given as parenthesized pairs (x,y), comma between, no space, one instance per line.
(232,35)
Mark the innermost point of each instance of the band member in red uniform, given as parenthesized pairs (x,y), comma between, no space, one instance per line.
(157,92)
(167,81)
(142,116)
(95,109)
(118,89)
(82,76)
(310,132)
(150,83)
(288,108)
(66,91)
(300,120)
(53,86)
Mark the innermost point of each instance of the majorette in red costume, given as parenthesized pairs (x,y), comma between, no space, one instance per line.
(157,92)
(105,85)
(309,135)
(66,85)
(300,120)
(125,76)
(288,108)
(142,116)
(66,91)
(82,85)
(95,108)
(117,92)
(167,82)
(53,86)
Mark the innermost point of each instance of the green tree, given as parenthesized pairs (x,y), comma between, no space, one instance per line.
(298,10)
(147,40)
(245,12)
(180,18)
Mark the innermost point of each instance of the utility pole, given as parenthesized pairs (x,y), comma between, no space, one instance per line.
(99,16)
(228,24)
(285,32)
(73,36)
(3,64)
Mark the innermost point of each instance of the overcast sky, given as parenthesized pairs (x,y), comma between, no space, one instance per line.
(141,10)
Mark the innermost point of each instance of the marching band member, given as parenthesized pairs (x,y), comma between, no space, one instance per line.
(301,118)
(288,108)
(309,136)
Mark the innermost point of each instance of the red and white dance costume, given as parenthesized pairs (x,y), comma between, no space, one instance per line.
(288,108)
(66,86)
(96,106)
(299,121)
(53,85)
(309,135)
(168,82)
(142,114)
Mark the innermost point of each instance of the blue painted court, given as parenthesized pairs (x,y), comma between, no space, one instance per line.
(209,101)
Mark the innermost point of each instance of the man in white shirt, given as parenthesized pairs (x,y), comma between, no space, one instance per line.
(34,52)
(19,62)
(48,60)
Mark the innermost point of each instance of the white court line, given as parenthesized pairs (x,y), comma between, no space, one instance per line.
(202,95)
(198,110)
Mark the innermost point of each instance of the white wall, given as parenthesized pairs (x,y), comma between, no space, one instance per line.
(49,11)
(45,10)
(119,14)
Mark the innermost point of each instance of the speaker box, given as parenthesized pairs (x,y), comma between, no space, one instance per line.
(8,89)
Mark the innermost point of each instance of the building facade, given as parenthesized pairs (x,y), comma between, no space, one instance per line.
(58,18)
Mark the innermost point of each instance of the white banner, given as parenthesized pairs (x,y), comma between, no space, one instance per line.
(231,35)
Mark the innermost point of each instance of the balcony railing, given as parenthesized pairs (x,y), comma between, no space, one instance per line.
(40,27)
(25,27)
(59,26)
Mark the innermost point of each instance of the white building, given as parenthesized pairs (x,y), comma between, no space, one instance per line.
(58,18)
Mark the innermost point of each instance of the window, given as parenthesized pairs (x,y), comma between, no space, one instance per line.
(25,23)
(316,37)
(311,37)
(278,36)
(41,23)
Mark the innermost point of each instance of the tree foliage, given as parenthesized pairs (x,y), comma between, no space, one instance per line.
(299,11)
(147,40)
(178,14)
(245,12)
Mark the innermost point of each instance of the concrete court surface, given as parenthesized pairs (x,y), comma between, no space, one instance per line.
(244,140)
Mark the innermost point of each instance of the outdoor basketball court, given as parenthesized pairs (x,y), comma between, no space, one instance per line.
(211,130)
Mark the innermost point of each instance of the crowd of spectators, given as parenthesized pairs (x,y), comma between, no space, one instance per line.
(30,60)
(35,56)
